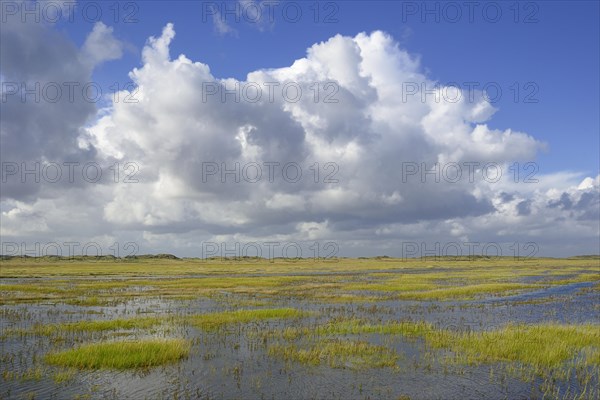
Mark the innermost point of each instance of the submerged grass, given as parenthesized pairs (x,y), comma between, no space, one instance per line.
(122,355)
(356,327)
(338,353)
(209,321)
(91,326)
(541,346)
(213,321)
(468,292)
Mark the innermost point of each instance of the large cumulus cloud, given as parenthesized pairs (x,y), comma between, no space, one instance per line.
(364,139)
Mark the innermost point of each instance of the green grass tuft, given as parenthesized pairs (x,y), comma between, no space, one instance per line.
(97,326)
(338,353)
(122,355)
(540,346)
(213,321)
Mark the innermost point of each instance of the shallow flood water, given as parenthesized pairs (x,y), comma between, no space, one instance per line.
(234,361)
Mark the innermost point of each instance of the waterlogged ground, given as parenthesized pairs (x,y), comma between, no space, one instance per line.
(347,329)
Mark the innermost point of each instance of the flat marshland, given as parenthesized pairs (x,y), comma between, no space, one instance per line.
(344,328)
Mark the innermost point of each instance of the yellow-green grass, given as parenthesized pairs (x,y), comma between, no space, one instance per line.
(421,288)
(94,301)
(465,283)
(541,346)
(338,353)
(346,298)
(29,267)
(213,321)
(585,277)
(91,326)
(104,292)
(411,284)
(361,281)
(100,325)
(468,292)
(546,345)
(208,321)
(30,374)
(356,326)
(122,355)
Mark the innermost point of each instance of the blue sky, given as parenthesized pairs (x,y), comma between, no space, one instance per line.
(548,43)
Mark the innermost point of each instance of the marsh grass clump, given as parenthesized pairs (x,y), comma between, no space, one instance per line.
(338,353)
(543,349)
(94,301)
(96,326)
(30,374)
(388,282)
(64,376)
(542,346)
(122,355)
(358,326)
(213,321)
(354,326)
(455,284)
(468,292)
